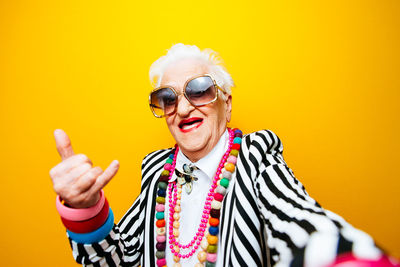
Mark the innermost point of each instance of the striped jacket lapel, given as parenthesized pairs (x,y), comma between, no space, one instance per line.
(248,244)
(227,220)
(149,226)
(151,171)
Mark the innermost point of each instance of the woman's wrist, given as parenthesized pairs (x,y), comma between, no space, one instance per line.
(96,200)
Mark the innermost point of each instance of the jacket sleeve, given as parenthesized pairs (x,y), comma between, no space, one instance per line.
(124,244)
(299,231)
(121,247)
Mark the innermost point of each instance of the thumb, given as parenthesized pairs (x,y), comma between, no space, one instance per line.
(63,144)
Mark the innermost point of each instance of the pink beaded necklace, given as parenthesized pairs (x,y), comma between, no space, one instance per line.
(209,225)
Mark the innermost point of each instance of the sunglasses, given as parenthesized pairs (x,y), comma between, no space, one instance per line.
(199,91)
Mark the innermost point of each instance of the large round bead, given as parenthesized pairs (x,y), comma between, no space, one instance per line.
(229,166)
(202,255)
(212,257)
(237,131)
(176,232)
(160,223)
(234,152)
(160,231)
(224,182)
(204,244)
(236,146)
(237,140)
(218,197)
(177,216)
(160,246)
(176,224)
(213,221)
(232,159)
(164,179)
(161,192)
(160,254)
(216,204)
(162,185)
(212,249)
(215,213)
(213,230)
(160,215)
(227,174)
(221,190)
(160,200)
(160,207)
(160,238)
(212,239)
(161,262)
(167,166)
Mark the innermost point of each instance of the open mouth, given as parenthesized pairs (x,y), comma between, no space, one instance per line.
(190,124)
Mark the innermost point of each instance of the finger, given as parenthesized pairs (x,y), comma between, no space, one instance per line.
(63,144)
(106,176)
(79,170)
(66,166)
(87,180)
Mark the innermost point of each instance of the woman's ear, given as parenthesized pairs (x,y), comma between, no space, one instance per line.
(228,103)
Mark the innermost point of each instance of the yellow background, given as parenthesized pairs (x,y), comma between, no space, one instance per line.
(324,76)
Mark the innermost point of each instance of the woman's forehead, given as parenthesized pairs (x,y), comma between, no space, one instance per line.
(177,73)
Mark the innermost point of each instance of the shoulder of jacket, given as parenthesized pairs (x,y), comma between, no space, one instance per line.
(160,154)
(265,139)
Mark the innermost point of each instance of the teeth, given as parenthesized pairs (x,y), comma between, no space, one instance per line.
(190,126)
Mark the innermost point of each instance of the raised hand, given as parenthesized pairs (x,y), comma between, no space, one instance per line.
(75,179)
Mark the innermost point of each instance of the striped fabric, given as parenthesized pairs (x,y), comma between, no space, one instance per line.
(267,218)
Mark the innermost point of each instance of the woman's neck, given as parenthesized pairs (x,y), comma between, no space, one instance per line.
(195,156)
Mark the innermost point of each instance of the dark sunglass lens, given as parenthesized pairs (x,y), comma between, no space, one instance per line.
(163,101)
(201,90)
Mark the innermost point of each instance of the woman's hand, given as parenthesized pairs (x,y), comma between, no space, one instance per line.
(75,179)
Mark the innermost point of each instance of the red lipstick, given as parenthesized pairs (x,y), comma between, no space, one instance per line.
(190,124)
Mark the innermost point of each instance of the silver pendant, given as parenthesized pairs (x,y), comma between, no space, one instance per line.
(187,177)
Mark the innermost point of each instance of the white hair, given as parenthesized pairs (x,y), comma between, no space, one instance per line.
(181,51)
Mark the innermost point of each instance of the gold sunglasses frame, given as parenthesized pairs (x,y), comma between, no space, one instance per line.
(185,95)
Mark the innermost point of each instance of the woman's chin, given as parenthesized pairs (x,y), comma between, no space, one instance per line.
(192,147)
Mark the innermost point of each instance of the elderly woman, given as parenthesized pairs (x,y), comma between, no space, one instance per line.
(217,198)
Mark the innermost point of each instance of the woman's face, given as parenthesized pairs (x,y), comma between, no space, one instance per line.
(195,129)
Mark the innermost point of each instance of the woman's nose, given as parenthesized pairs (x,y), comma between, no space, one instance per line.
(184,107)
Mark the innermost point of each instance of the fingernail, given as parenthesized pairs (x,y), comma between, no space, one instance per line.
(116,162)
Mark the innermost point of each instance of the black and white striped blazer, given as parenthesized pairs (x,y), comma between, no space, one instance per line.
(267,218)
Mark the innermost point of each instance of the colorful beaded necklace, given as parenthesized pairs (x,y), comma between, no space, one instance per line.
(211,211)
